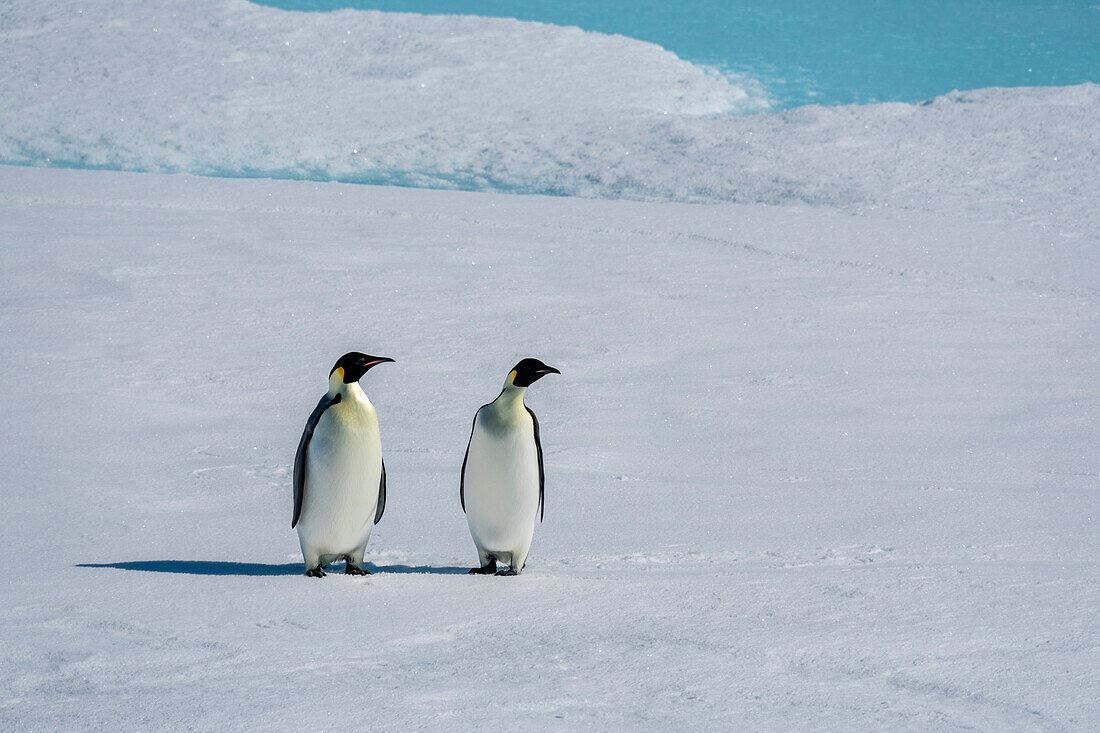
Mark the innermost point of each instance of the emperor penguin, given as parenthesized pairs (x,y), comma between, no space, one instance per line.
(339,476)
(501,489)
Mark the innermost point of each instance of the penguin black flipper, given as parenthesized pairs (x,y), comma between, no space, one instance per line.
(542,474)
(381,495)
(462,476)
(300,457)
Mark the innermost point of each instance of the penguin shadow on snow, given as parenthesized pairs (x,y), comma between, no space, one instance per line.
(219,567)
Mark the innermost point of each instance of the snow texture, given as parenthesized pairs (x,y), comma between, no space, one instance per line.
(804,470)
(829,465)
(223,87)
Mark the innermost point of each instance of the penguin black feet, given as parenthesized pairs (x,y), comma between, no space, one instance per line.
(484,569)
(350,569)
(316,572)
(507,573)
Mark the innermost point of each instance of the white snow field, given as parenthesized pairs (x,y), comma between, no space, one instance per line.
(805,470)
(822,455)
(226,87)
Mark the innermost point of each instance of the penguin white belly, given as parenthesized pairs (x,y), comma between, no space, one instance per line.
(501,489)
(343,471)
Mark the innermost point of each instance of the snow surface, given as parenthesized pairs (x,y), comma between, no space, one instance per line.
(829,465)
(225,87)
(804,470)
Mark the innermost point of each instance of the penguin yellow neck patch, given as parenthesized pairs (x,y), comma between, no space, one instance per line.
(340,373)
(512,377)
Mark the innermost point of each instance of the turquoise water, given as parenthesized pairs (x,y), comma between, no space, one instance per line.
(830,51)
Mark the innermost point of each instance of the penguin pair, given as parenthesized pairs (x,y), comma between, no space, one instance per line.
(340,477)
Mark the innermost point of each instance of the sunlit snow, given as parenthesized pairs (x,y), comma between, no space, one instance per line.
(822,463)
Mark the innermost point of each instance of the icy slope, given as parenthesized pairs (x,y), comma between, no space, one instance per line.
(224,87)
(804,470)
(228,87)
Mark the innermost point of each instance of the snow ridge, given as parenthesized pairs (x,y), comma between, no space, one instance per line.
(233,89)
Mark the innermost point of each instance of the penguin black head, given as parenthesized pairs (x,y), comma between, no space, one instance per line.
(528,371)
(354,364)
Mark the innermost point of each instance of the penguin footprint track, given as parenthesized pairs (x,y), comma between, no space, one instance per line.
(279,623)
(250,470)
(267,470)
